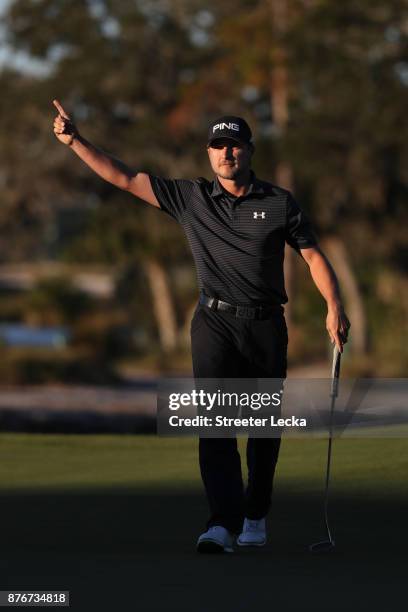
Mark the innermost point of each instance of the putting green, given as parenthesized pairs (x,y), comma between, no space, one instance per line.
(114,519)
(36,461)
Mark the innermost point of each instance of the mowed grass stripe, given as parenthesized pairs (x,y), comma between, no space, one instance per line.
(52,461)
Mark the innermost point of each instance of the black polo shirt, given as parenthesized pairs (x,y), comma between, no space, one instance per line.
(237,242)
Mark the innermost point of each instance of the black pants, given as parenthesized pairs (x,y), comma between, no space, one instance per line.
(224,346)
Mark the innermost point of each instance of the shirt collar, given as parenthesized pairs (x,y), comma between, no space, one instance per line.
(255,187)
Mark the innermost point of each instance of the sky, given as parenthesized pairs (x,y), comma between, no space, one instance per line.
(21,61)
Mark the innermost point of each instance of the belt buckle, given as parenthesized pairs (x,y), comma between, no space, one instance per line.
(245,312)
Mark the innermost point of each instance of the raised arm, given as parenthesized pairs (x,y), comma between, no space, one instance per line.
(107,167)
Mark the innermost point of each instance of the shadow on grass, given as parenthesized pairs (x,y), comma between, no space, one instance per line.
(134,550)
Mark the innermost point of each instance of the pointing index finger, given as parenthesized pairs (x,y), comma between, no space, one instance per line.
(60,109)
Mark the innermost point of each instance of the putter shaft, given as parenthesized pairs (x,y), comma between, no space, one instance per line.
(329,544)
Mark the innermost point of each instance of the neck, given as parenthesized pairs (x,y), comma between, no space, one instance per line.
(237,186)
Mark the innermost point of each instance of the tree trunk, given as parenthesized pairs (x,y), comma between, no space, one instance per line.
(280,116)
(163,307)
(337,254)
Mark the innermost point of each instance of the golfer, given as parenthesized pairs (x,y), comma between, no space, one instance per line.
(237,226)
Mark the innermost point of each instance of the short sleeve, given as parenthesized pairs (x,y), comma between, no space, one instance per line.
(299,232)
(172,194)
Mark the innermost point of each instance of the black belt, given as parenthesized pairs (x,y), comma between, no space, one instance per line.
(241,312)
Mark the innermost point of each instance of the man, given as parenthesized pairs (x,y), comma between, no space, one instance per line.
(237,226)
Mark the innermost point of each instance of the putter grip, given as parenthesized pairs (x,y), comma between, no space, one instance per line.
(335,372)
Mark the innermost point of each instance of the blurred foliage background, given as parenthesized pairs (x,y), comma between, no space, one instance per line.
(324,85)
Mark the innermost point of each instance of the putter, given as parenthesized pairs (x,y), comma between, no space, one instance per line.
(329,544)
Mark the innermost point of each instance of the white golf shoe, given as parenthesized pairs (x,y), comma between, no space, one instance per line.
(216,540)
(253,533)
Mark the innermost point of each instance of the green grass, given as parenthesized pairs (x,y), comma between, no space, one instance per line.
(114,520)
(113,461)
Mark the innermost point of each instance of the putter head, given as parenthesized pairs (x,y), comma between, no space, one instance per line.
(322,547)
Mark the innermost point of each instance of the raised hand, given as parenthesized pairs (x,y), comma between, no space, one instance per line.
(64,129)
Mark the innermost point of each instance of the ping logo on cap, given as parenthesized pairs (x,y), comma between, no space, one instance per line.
(229,126)
(226,126)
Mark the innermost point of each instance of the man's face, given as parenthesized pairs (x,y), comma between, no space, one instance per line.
(229,159)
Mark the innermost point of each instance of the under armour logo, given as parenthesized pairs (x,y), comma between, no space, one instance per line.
(261,214)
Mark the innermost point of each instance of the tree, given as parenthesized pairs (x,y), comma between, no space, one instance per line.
(334,121)
(338,122)
(117,68)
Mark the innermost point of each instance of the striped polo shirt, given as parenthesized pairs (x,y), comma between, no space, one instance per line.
(237,242)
